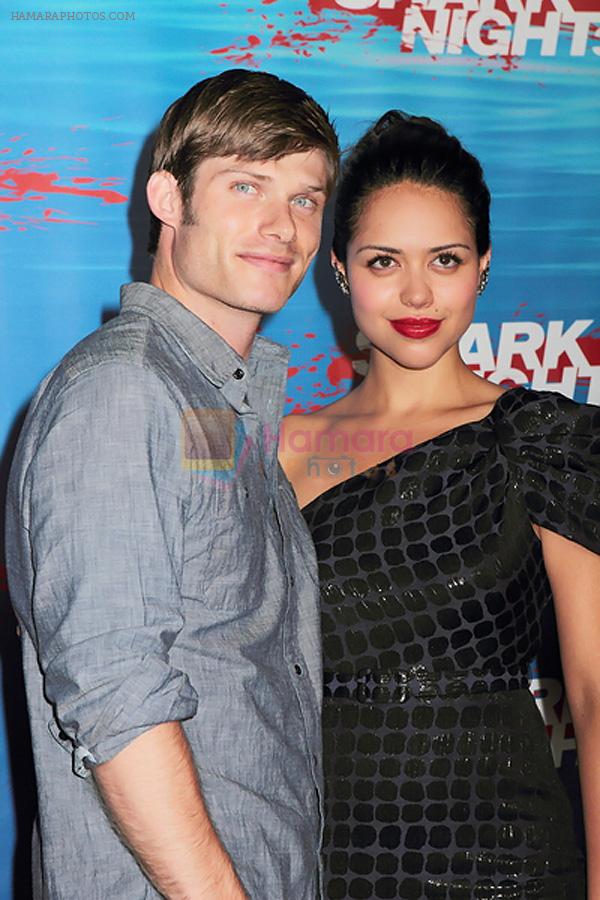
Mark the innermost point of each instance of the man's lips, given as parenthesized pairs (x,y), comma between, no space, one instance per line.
(420,327)
(268,261)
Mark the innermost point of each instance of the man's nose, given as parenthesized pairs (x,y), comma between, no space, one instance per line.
(278,222)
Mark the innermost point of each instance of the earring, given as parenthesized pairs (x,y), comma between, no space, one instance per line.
(483,280)
(342,281)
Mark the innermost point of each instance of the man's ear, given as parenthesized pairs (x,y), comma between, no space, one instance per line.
(164,198)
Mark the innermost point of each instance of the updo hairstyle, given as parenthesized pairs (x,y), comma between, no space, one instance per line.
(400,147)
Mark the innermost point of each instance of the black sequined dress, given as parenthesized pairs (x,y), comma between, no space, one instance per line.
(439,778)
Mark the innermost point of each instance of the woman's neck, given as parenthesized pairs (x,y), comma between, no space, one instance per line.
(392,389)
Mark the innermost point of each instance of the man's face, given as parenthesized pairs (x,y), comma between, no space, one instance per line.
(250,231)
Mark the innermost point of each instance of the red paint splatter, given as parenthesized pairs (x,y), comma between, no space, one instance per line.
(241,55)
(310,334)
(317,357)
(339,369)
(52,215)
(327,395)
(15,185)
(293,370)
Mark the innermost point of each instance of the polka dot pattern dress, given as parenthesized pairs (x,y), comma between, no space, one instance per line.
(439,779)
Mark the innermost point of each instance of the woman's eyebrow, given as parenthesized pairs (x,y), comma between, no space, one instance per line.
(398,250)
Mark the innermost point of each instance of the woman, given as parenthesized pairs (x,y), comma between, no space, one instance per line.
(446,512)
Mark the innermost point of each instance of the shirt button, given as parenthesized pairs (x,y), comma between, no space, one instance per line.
(298,669)
(238,374)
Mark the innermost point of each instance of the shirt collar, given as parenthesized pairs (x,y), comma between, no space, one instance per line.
(266,364)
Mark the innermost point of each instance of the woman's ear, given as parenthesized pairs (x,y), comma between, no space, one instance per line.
(336,264)
(339,271)
(484,272)
(485,260)
(164,198)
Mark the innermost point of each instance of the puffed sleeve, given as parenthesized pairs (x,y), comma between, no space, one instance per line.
(552,444)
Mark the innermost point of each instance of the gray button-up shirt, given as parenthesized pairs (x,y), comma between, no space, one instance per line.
(162,571)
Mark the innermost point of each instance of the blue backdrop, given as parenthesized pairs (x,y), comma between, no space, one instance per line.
(86,84)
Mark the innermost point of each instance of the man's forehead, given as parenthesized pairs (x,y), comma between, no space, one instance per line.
(308,166)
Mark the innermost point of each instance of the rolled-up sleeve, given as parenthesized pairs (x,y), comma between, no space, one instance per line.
(106,496)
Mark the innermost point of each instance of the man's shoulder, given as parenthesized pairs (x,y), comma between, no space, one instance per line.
(128,339)
(127,361)
(130,347)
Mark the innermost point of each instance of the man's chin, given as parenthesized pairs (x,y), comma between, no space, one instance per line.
(264,303)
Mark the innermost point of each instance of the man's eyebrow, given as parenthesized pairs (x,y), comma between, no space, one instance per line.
(309,189)
(236,171)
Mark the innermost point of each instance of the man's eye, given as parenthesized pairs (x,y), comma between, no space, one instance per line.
(304,202)
(244,188)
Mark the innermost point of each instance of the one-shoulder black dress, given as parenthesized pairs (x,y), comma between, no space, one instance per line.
(439,778)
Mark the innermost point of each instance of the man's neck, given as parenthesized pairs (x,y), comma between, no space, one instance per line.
(237,327)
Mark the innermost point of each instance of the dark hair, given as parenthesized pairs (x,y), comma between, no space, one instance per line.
(253,115)
(400,147)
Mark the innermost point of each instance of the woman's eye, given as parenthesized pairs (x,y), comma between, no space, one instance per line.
(244,188)
(448,260)
(381,262)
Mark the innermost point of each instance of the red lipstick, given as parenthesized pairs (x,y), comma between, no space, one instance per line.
(416,328)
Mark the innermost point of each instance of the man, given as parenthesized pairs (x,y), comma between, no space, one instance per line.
(157,562)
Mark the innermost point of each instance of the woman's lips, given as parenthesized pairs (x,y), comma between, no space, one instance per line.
(416,328)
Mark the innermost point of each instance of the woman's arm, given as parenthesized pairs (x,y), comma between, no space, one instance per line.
(574,574)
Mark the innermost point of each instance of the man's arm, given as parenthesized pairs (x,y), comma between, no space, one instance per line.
(104,507)
(152,793)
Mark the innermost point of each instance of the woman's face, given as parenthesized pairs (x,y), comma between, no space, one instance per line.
(413,270)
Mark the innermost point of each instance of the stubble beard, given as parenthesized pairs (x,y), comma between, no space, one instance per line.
(189,218)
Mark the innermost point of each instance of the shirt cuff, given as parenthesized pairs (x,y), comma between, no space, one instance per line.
(126,714)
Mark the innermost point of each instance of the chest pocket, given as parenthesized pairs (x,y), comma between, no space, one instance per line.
(225,554)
